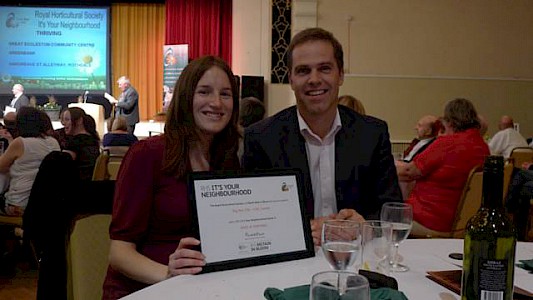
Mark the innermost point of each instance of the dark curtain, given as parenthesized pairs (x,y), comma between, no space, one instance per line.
(205,25)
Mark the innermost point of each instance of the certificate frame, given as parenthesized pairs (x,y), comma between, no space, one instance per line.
(302,221)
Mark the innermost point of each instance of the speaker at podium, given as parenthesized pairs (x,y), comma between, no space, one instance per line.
(97,112)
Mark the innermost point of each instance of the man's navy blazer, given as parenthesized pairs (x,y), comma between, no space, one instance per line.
(365,175)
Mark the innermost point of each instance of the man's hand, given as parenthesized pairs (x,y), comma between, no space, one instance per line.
(110,98)
(316,228)
(349,214)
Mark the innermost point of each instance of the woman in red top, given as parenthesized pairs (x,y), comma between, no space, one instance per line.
(441,171)
(151,226)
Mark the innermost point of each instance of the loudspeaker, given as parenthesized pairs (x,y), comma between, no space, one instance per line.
(253,86)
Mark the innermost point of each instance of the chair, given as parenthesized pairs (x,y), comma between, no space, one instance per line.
(507,175)
(520,155)
(470,202)
(468,205)
(108,162)
(88,256)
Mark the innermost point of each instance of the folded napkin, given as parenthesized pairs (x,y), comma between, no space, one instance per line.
(302,293)
(526,264)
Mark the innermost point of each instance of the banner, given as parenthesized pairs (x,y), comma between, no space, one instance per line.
(175,58)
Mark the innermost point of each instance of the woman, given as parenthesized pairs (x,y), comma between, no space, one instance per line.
(151,227)
(23,157)
(84,143)
(118,135)
(441,171)
(353,103)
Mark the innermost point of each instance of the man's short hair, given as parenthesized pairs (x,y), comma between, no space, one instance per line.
(316,34)
(123,79)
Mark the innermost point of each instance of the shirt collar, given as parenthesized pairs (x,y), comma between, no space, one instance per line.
(305,130)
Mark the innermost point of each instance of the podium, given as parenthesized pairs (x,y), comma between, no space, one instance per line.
(97,112)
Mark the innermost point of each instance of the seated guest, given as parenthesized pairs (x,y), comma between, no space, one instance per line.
(251,110)
(345,157)
(5,137)
(151,226)
(353,103)
(119,136)
(23,157)
(484,127)
(84,143)
(519,196)
(10,121)
(60,134)
(442,170)
(505,140)
(427,129)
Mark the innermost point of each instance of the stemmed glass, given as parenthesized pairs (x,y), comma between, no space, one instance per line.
(401,217)
(341,243)
(335,285)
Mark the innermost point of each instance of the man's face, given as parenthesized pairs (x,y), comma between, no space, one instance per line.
(315,78)
(122,85)
(423,128)
(16,89)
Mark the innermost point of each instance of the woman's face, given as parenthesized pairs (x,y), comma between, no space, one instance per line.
(212,102)
(67,123)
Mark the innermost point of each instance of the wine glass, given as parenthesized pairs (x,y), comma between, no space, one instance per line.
(341,243)
(334,285)
(401,217)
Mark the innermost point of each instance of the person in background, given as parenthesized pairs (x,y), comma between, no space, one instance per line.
(442,170)
(151,226)
(83,143)
(33,101)
(505,140)
(19,99)
(23,157)
(127,104)
(353,103)
(251,111)
(345,157)
(518,199)
(119,136)
(484,127)
(427,129)
(10,121)
(60,134)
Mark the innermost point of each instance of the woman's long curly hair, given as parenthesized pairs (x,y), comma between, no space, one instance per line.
(180,128)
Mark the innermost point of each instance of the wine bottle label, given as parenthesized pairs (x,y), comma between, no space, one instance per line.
(492,279)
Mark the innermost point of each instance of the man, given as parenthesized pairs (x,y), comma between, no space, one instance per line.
(427,129)
(127,104)
(346,161)
(20,99)
(505,140)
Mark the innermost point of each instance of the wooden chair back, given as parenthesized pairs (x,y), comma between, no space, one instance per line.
(88,256)
(507,175)
(469,203)
(108,162)
(520,155)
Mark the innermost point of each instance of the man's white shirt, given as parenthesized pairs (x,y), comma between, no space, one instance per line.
(321,162)
(504,141)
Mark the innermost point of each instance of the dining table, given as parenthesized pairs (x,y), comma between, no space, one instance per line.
(420,255)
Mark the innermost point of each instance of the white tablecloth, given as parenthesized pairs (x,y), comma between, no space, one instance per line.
(420,255)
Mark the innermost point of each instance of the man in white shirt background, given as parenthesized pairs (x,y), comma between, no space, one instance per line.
(505,140)
(19,99)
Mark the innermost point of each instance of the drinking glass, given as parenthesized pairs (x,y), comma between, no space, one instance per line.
(376,243)
(335,285)
(401,217)
(341,243)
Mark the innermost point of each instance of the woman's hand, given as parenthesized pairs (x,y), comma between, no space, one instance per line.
(185,260)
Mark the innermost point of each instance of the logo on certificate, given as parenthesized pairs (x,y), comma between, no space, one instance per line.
(286,187)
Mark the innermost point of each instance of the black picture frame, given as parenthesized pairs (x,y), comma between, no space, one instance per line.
(252,260)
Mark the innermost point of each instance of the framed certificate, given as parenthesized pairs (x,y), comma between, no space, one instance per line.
(249,219)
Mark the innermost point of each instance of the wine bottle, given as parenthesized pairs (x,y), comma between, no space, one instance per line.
(489,243)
